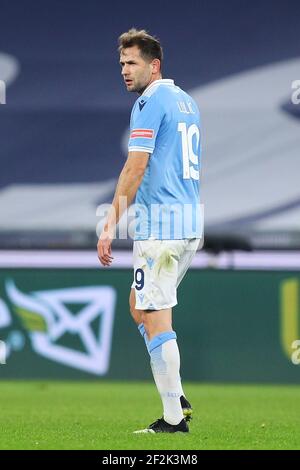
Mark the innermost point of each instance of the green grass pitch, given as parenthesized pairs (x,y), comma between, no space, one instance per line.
(102,415)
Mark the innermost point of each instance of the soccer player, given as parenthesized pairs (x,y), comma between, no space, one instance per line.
(162,170)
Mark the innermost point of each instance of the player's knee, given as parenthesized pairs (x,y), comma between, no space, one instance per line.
(148,324)
(155,324)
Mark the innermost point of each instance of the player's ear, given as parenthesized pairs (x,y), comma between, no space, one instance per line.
(155,65)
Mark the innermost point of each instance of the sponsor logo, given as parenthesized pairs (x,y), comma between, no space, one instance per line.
(150,262)
(142,133)
(142,104)
(80,340)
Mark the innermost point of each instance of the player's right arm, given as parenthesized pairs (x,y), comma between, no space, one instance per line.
(129,181)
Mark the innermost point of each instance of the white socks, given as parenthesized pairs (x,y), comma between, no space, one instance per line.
(165,364)
(145,337)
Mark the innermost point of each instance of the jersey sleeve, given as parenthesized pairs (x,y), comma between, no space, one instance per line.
(145,122)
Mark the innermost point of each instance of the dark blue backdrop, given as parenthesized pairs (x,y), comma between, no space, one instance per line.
(68,109)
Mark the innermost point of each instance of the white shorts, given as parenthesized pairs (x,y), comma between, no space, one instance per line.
(159,267)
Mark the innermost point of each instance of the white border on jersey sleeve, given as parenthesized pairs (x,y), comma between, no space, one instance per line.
(140,149)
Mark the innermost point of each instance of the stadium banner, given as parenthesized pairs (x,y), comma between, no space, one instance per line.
(70,323)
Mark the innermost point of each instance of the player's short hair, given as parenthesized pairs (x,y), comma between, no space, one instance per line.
(149,45)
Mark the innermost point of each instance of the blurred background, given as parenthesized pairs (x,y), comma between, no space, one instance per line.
(63,141)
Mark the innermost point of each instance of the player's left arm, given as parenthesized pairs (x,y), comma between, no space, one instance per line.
(129,181)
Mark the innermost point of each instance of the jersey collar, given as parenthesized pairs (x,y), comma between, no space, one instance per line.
(161,81)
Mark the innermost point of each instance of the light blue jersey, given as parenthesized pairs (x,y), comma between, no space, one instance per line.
(165,122)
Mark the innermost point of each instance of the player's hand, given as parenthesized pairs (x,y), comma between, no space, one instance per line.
(104,248)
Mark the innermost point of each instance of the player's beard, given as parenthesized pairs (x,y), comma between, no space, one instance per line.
(139,88)
(140,85)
